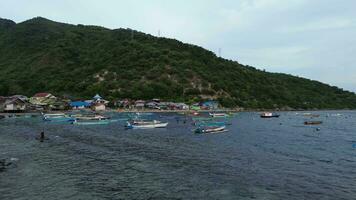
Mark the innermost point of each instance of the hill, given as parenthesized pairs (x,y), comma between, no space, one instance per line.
(79,61)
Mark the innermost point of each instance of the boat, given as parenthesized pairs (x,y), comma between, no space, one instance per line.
(92,122)
(2,116)
(90,117)
(219,115)
(269,115)
(58,117)
(210,129)
(142,124)
(312,122)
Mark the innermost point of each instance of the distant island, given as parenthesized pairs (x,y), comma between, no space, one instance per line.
(77,61)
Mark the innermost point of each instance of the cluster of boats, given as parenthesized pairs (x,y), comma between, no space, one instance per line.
(203,124)
(215,123)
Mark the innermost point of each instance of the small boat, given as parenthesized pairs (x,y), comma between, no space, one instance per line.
(2,116)
(210,129)
(92,122)
(91,117)
(313,122)
(269,115)
(219,115)
(59,117)
(141,124)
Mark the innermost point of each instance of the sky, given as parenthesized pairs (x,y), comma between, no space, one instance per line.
(315,39)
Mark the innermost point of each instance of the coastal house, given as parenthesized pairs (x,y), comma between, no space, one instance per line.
(14,105)
(140,104)
(152,105)
(209,105)
(98,103)
(79,105)
(21,97)
(125,103)
(43,99)
(181,106)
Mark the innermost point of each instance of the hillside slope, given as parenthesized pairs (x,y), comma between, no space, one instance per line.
(79,61)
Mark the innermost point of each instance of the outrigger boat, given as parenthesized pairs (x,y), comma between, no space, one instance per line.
(91,117)
(58,117)
(219,115)
(92,122)
(210,129)
(141,124)
(269,115)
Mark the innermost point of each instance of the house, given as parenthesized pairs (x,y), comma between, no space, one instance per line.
(152,105)
(125,103)
(140,104)
(14,105)
(21,97)
(43,99)
(59,104)
(181,106)
(98,103)
(79,105)
(209,105)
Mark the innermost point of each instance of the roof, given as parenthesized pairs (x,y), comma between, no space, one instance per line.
(79,104)
(97,96)
(41,94)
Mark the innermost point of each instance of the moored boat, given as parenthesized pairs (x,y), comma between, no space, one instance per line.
(58,117)
(92,122)
(210,129)
(219,115)
(141,124)
(269,115)
(91,117)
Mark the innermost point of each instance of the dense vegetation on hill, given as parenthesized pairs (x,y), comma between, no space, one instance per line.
(79,61)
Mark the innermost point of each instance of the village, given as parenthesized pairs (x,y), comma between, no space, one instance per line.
(47,102)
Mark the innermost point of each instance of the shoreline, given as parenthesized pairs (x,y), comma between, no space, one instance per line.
(167,111)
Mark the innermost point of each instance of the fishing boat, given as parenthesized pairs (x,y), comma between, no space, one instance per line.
(91,117)
(210,129)
(313,122)
(92,122)
(142,124)
(219,115)
(269,115)
(58,117)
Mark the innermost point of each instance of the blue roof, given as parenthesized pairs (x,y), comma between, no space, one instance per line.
(79,104)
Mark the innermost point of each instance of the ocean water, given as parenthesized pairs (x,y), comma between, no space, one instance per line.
(257,159)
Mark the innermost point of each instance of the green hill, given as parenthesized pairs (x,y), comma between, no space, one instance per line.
(76,60)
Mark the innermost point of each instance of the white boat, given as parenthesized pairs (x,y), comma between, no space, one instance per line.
(98,122)
(140,124)
(210,129)
(57,117)
(219,115)
(269,115)
(91,117)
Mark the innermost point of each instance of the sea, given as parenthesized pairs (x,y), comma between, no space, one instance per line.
(277,158)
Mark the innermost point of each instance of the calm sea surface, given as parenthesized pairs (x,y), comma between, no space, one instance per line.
(257,159)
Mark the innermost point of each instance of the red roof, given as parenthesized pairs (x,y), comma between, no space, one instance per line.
(41,94)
